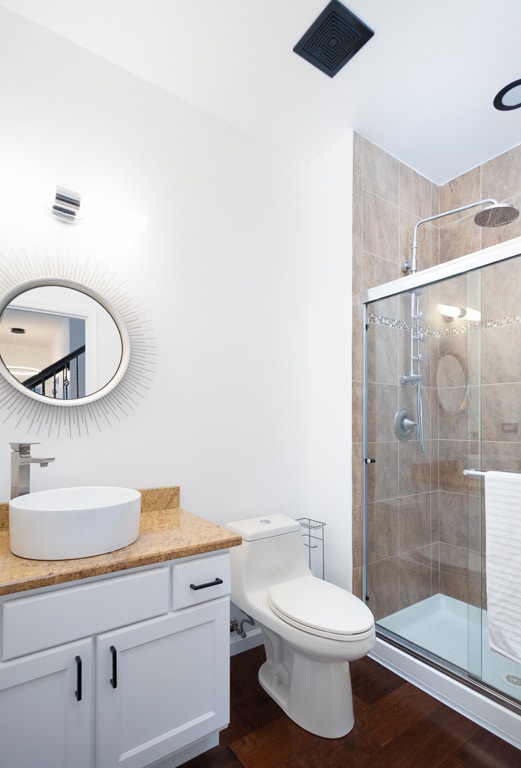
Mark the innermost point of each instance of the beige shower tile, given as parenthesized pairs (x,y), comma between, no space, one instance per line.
(426,241)
(380,230)
(499,290)
(476,521)
(499,364)
(383,365)
(477,593)
(383,587)
(434,516)
(381,173)
(453,292)
(461,191)
(358,159)
(453,518)
(357,476)
(356,268)
(435,199)
(415,193)
(357,343)
(357,535)
(376,271)
(357,411)
(357,583)
(501,176)
(453,559)
(452,460)
(454,585)
(502,456)
(458,238)
(383,529)
(476,563)
(383,400)
(414,468)
(406,228)
(501,407)
(415,521)
(415,577)
(383,474)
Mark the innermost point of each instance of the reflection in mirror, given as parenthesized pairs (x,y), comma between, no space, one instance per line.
(59,342)
(452,383)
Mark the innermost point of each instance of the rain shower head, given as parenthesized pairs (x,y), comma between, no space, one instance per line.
(493,215)
(496,215)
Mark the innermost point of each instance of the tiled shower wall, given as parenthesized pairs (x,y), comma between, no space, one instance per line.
(420,538)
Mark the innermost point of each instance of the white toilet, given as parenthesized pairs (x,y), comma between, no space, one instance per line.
(312,629)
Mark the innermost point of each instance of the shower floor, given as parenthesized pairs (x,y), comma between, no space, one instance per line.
(452,630)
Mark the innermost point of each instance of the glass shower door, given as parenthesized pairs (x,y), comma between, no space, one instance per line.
(453,408)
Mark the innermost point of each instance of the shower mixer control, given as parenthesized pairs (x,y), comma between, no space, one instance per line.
(404,424)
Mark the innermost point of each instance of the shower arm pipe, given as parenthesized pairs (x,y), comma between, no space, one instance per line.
(411,266)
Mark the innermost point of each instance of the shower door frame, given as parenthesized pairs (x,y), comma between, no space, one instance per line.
(441,681)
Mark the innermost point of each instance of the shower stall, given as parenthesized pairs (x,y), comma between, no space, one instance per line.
(442,405)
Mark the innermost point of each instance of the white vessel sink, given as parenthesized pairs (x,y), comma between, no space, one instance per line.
(67,523)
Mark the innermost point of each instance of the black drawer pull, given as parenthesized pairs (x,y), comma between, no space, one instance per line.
(114,678)
(78,691)
(213,583)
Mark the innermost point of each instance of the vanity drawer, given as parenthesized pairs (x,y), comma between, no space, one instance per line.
(197,581)
(33,623)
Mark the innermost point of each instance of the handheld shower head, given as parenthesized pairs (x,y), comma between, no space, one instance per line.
(496,215)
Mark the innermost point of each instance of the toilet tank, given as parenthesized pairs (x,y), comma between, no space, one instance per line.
(272,551)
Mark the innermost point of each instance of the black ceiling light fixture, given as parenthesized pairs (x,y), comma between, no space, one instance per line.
(499,100)
(333,39)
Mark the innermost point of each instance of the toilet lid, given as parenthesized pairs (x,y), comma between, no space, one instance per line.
(320,607)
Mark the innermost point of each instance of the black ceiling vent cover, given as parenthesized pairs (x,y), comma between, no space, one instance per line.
(333,39)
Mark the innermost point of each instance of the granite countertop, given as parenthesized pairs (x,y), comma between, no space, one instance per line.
(166,532)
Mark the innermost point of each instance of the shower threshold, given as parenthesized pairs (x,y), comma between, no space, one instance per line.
(454,632)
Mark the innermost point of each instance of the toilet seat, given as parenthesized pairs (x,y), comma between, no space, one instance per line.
(321,608)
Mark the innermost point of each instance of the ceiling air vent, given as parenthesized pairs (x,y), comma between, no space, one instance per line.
(333,39)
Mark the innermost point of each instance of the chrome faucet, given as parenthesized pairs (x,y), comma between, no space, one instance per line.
(21,461)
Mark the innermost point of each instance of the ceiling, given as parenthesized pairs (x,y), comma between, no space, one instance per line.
(422,88)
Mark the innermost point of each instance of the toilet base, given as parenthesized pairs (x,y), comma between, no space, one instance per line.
(316,695)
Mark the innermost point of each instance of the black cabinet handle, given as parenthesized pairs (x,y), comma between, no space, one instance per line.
(78,691)
(213,583)
(114,678)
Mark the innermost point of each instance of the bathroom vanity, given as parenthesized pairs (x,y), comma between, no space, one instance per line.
(120,659)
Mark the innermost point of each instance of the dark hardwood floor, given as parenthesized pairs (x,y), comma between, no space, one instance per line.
(396,726)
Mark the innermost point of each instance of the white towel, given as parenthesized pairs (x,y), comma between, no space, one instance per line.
(503,532)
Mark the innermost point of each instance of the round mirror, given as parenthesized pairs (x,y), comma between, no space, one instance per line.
(452,383)
(61,342)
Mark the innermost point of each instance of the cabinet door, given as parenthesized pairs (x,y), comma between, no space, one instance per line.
(162,685)
(46,702)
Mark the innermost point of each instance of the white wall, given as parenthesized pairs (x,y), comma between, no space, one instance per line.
(330,301)
(222,272)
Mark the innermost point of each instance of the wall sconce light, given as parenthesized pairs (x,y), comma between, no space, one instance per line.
(66,206)
(450,313)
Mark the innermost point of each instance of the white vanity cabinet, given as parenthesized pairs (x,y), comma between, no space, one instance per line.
(161,685)
(127,670)
(46,709)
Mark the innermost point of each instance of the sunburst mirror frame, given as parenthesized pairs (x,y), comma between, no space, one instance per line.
(18,273)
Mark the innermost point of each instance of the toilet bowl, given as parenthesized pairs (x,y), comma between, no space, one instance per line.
(311,628)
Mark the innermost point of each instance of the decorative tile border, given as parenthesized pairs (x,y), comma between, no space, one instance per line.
(402,325)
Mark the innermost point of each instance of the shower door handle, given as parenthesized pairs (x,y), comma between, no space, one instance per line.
(474,473)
